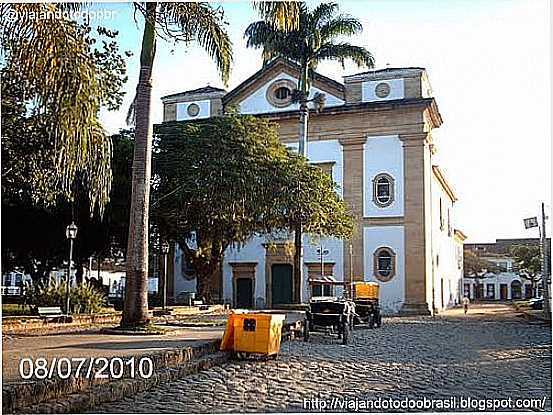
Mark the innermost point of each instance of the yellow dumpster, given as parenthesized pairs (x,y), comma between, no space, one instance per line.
(366,290)
(258,333)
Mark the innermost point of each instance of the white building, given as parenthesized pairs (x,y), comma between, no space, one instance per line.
(374,137)
(505,285)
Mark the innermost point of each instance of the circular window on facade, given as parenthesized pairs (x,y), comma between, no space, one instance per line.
(279,93)
(382,90)
(384,260)
(193,110)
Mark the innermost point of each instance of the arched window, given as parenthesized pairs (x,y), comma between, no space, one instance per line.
(384,260)
(383,190)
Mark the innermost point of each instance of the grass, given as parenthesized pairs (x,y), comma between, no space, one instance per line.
(149,328)
(15,310)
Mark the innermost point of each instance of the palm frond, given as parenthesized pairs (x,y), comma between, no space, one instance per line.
(324,12)
(202,23)
(345,51)
(281,15)
(342,25)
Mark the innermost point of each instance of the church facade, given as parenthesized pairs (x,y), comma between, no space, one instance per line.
(374,137)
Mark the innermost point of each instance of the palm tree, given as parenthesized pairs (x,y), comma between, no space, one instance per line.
(179,22)
(311,41)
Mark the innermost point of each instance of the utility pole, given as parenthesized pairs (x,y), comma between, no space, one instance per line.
(545,265)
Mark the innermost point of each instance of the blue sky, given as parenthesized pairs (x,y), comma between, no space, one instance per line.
(489,64)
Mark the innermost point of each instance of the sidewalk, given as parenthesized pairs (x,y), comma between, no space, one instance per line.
(180,352)
(95,345)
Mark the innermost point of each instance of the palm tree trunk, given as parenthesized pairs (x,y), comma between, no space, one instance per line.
(135,311)
(302,149)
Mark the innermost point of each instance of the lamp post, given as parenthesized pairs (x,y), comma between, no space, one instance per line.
(165,251)
(301,96)
(533,223)
(71,234)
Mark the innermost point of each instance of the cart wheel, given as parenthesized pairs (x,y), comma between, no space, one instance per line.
(306,330)
(379,320)
(346,333)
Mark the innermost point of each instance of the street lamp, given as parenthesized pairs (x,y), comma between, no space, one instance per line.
(165,251)
(71,234)
(533,223)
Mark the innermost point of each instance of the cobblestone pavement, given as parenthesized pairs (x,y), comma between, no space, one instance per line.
(483,356)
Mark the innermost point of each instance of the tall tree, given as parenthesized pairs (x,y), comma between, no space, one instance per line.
(52,65)
(220,181)
(180,22)
(312,40)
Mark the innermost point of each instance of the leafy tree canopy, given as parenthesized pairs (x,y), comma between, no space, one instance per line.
(477,267)
(226,179)
(528,261)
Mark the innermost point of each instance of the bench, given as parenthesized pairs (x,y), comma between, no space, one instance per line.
(50,312)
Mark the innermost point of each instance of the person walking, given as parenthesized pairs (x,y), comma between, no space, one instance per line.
(466,302)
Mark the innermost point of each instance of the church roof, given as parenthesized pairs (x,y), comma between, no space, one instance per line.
(203,90)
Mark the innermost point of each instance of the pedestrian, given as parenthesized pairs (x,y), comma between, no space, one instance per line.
(466,302)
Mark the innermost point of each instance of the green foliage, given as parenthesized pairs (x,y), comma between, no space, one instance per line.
(54,80)
(225,179)
(528,261)
(84,299)
(33,237)
(312,41)
(476,267)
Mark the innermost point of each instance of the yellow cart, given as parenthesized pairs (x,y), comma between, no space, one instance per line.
(253,334)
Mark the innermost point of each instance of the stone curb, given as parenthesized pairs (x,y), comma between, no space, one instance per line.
(116,390)
(76,394)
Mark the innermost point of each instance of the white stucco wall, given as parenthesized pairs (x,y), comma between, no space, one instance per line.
(182,107)
(397,90)
(253,251)
(444,251)
(257,102)
(392,293)
(497,279)
(383,154)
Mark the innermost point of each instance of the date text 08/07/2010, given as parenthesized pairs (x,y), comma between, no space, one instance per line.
(87,367)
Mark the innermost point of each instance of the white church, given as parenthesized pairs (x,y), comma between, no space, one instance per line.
(374,137)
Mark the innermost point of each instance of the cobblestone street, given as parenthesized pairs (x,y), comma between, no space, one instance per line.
(492,354)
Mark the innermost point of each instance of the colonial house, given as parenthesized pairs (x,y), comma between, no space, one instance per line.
(374,137)
(506,284)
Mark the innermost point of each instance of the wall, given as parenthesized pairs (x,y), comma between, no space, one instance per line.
(444,251)
(257,102)
(397,90)
(253,251)
(392,293)
(383,154)
(205,110)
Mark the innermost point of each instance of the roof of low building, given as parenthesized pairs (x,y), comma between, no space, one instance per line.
(203,90)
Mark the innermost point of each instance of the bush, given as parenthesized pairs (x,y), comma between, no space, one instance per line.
(83,297)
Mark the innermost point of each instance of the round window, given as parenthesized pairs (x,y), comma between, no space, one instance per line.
(382,90)
(279,93)
(193,110)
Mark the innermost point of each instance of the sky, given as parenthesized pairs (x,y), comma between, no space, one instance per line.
(489,64)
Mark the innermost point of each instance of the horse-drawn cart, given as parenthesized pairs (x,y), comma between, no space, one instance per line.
(329,314)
